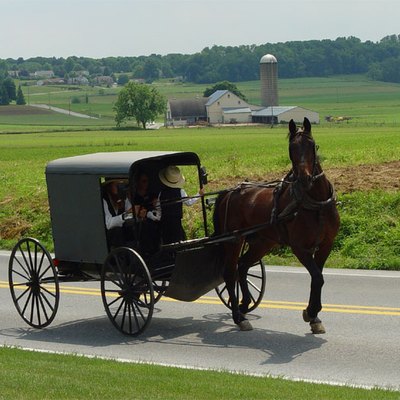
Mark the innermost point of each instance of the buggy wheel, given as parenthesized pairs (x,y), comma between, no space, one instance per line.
(33,282)
(256,280)
(127,291)
(159,286)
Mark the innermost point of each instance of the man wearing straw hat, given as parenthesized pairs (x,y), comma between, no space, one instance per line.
(172,198)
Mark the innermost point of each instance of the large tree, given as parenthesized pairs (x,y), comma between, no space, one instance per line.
(140,102)
(224,85)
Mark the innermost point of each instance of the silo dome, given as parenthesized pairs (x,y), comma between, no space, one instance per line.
(268,59)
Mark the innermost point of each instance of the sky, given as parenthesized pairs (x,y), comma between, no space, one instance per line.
(100,28)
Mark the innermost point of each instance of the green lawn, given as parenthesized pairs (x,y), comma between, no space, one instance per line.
(370,235)
(31,375)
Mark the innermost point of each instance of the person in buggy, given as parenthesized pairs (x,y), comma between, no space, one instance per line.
(148,214)
(117,208)
(172,198)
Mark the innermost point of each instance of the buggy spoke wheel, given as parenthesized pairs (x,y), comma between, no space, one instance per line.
(256,280)
(127,291)
(30,266)
(159,289)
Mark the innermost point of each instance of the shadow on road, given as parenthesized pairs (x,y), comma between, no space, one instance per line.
(212,331)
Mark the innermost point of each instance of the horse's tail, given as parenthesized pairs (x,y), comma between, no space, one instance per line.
(216,221)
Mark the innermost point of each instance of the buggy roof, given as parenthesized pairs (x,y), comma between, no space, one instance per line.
(117,163)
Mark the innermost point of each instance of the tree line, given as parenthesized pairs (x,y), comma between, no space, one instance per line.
(312,58)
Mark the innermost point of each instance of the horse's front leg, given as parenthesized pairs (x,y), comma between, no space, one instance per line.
(310,314)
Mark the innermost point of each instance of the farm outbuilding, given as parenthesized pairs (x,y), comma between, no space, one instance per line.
(282,114)
(225,107)
(186,111)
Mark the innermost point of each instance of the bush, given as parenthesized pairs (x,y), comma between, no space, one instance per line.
(75,100)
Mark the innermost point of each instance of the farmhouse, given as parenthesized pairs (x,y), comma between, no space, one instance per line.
(78,80)
(44,74)
(224,107)
(103,80)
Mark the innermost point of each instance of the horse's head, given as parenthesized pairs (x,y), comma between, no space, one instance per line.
(303,153)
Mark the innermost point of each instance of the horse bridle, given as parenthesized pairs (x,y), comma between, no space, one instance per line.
(314,176)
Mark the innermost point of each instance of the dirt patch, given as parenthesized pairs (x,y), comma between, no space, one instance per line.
(13,227)
(384,176)
(22,110)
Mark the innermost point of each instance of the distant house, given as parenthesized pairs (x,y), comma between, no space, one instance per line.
(13,74)
(44,74)
(82,72)
(103,80)
(52,81)
(186,112)
(78,80)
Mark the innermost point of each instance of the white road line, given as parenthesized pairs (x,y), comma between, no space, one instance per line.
(339,273)
(197,368)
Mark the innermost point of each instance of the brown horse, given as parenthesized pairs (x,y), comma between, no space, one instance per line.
(300,213)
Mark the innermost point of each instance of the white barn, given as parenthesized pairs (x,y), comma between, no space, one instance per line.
(224,107)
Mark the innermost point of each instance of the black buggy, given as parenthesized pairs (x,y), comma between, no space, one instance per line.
(131,282)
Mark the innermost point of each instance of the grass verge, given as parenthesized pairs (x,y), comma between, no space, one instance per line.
(32,375)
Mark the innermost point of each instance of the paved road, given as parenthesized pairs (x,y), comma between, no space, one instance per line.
(62,111)
(361,346)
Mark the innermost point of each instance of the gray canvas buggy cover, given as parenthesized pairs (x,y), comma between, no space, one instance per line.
(77,215)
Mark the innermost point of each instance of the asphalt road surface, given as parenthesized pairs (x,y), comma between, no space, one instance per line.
(361,314)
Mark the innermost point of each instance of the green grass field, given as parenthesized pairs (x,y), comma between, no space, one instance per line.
(355,96)
(30,375)
(370,235)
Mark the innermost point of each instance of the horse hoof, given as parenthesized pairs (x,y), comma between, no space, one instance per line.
(245,325)
(317,328)
(306,317)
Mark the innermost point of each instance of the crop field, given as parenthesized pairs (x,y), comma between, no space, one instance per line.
(32,119)
(370,234)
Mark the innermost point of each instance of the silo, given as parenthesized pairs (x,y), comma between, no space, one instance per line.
(269,80)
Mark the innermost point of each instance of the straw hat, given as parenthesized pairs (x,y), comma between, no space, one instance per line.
(172,177)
